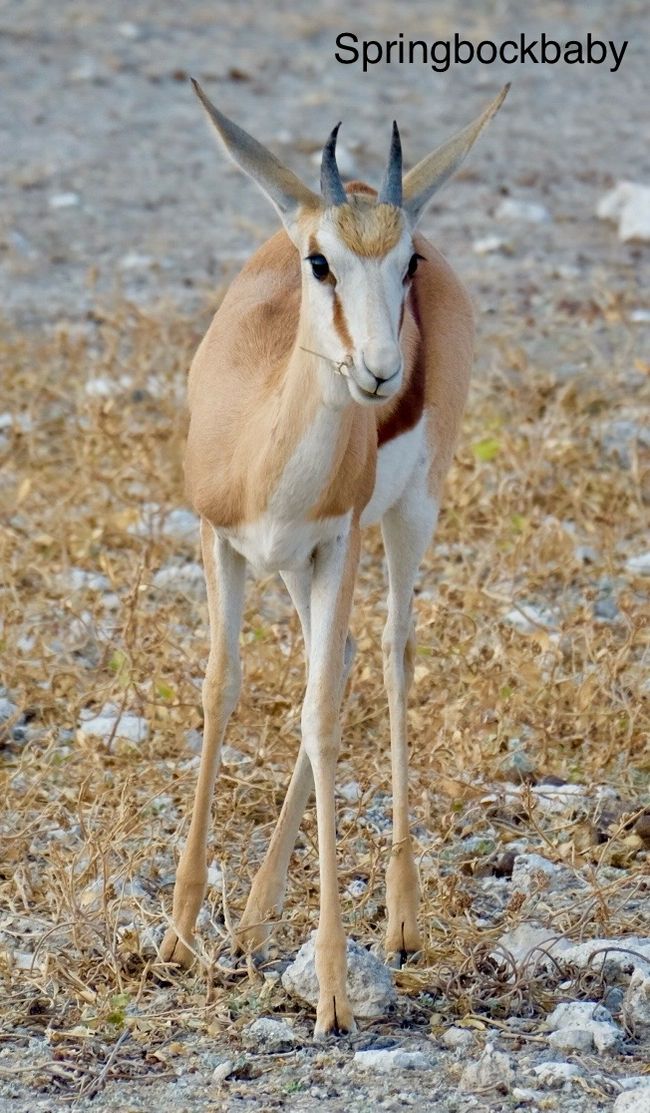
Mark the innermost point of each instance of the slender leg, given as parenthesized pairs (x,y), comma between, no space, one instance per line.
(335,566)
(407,529)
(268,890)
(225,573)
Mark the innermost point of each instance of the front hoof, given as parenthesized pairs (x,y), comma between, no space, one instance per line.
(403,943)
(334,1019)
(174,950)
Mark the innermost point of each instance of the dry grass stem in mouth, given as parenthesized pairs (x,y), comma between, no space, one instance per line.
(341,368)
(532,628)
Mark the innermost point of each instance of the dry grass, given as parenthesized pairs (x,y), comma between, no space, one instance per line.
(91,830)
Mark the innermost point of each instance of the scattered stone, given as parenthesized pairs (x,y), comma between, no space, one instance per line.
(351,791)
(639,565)
(629,204)
(523,1093)
(215,876)
(134,260)
(181,525)
(581,1026)
(63,200)
(618,956)
(556,799)
(231,756)
(531,945)
(109,723)
(529,212)
(385,1060)
(487,244)
(530,871)
(636,1004)
(369,983)
(556,1074)
(458,1039)
(633,1101)
(221,1072)
(527,618)
(492,1070)
(269,1035)
(7,710)
(78,579)
(181,579)
(357,887)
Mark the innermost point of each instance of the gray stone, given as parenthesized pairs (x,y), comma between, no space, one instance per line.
(581,1026)
(458,1039)
(633,1101)
(529,212)
(386,1060)
(221,1072)
(530,871)
(556,1074)
(369,983)
(7,710)
(636,1004)
(493,1069)
(532,945)
(269,1035)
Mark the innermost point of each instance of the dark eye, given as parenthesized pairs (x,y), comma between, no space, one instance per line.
(319,266)
(413,265)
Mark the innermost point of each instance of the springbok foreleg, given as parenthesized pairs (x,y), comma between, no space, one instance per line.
(267,893)
(335,564)
(225,573)
(407,529)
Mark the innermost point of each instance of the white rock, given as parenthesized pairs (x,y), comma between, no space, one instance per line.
(633,1101)
(528,618)
(215,876)
(221,1072)
(76,579)
(529,212)
(357,887)
(128,30)
(492,1069)
(232,756)
(639,565)
(385,1060)
(99,387)
(555,799)
(582,1025)
(181,525)
(531,945)
(529,870)
(620,956)
(523,1093)
(629,204)
(369,983)
(268,1034)
(109,723)
(351,791)
(182,579)
(134,260)
(636,1003)
(487,244)
(556,1074)
(631,1081)
(7,709)
(6,420)
(458,1039)
(63,200)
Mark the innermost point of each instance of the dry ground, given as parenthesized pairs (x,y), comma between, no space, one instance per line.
(532,615)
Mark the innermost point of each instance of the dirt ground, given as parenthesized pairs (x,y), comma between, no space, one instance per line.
(120,224)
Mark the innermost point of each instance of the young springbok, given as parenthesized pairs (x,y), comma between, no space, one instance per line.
(325,396)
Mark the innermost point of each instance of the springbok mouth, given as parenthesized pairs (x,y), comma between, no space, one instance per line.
(369,397)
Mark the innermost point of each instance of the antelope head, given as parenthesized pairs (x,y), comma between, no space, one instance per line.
(356,246)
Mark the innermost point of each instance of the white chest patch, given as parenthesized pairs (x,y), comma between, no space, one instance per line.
(397,461)
(273,545)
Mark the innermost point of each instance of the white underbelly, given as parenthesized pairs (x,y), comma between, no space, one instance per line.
(397,461)
(273,545)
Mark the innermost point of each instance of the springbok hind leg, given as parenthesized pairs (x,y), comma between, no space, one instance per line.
(407,529)
(225,573)
(266,898)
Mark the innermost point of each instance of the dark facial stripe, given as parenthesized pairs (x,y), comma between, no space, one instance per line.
(410,404)
(341,325)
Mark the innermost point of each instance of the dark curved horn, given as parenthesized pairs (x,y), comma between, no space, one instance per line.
(330,179)
(390,192)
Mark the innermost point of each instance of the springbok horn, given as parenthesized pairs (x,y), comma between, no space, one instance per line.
(330,179)
(390,192)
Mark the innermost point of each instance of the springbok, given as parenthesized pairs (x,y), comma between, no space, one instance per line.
(325,396)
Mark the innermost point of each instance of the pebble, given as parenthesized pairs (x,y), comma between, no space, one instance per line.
(269,1035)
(639,565)
(581,1026)
(487,244)
(63,200)
(629,204)
(370,986)
(556,1074)
(555,799)
(458,1039)
(526,872)
(493,1069)
(7,709)
(221,1072)
(527,618)
(386,1060)
(633,1101)
(530,212)
(109,723)
(636,1004)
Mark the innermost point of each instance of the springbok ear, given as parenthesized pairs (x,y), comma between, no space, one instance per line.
(280,185)
(423,180)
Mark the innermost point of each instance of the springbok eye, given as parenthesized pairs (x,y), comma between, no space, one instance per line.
(319,266)
(413,265)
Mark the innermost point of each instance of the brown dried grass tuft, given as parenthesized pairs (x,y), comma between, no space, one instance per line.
(91,831)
